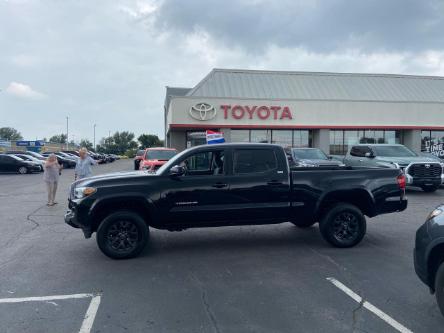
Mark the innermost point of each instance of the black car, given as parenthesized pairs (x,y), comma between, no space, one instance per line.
(12,163)
(65,162)
(30,153)
(231,184)
(429,254)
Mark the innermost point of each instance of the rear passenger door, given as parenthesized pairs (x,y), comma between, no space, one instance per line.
(259,184)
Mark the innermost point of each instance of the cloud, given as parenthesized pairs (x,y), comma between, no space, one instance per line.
(23,91)
(318,26)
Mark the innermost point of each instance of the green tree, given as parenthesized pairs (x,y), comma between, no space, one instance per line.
(9,133)
(122,141)
(85,143)
(60,138)
(149,140)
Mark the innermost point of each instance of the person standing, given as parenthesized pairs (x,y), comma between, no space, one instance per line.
(51,177)
(83,165)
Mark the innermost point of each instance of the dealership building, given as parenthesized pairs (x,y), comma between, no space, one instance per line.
(330,111)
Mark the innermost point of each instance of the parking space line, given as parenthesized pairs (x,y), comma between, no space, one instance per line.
(90,315)
(44,298)
(88,319)
(385,317)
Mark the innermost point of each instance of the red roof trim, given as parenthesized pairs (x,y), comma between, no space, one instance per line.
(205,126)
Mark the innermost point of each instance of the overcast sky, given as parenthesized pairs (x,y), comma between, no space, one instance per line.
(108,62)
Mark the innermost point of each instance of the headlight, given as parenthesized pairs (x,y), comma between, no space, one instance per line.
(81,192)
(434,214)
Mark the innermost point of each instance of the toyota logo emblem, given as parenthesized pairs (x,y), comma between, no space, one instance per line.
(427,166)
(203,111)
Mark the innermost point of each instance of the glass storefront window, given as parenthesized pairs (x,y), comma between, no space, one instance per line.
(433,142)
(282,137)
(262,136)
(302,138)
(196,139)
(240,135)
(340,140)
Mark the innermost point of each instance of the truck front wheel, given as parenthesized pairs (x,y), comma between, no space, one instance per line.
(122,235)
(439,287)
(343,225)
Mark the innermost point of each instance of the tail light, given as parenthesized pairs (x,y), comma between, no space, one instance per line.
(401,181)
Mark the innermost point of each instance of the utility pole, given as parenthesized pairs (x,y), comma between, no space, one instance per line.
(94,137)
(67,132)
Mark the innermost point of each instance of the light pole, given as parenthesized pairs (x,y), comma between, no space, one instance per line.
(94,137)
(67,132)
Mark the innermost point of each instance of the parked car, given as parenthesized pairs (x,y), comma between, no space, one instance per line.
(154,158)
(12,163)
(231,184)
(429,254)
(65,162)
(30,153)
(72,152)
(30,158)
(422,171)
(138,158)
(311,157)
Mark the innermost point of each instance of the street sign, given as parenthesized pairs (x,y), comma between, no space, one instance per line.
(37,143)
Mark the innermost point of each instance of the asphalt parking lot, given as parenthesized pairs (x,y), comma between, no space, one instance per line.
(237,279)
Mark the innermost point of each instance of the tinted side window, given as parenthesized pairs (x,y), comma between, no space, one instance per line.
(205,163)
(356,151)
(254,160)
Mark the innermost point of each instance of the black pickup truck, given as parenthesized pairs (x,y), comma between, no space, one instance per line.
(231,184)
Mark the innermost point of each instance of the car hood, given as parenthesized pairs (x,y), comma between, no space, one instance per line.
(406,160)
(117,176)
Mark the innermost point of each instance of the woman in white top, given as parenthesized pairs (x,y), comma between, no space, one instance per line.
(51,177)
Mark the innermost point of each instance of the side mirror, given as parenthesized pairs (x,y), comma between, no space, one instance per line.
(177,171)
(330,157)
(369,155)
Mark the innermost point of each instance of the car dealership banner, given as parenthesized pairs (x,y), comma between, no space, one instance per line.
(436,149)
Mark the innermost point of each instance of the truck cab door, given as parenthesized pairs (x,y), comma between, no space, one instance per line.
(199,196)
(260,185)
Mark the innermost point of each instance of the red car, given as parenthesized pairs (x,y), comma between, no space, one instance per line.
(154,158)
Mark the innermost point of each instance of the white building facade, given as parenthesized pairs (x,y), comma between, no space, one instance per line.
(330,111)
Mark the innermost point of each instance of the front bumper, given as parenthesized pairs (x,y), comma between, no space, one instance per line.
(415,181)
(71,220)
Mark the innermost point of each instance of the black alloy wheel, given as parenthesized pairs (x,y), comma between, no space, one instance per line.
(343,225)
(122,235)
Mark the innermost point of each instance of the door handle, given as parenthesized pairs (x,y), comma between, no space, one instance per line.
(219,185)
(274,182)
(361,160)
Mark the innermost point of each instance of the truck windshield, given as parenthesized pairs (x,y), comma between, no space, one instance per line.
(393,151)
(309,154)
(160,154)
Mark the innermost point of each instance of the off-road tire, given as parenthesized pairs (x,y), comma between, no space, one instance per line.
(343,225)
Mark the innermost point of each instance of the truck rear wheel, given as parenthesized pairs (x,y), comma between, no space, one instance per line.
(122,235)
(429,188)
(439,287)
(343,225)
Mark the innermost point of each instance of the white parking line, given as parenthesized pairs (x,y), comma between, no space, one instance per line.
(88,319)
(385,317)
(90,315)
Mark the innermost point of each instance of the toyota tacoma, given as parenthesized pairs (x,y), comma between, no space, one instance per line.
(231,184)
